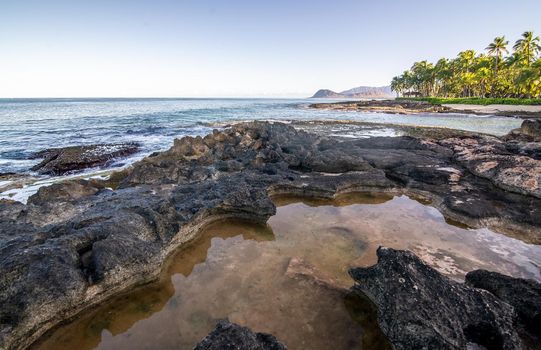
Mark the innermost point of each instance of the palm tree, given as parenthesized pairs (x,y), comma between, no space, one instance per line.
(424,77)
(466,77)
(528,47)
(529,80)
(497,48)
(443,75)
(396,85)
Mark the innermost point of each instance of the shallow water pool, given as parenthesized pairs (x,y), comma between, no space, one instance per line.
(289,278)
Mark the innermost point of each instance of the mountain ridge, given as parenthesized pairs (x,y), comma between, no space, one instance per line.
(357,92)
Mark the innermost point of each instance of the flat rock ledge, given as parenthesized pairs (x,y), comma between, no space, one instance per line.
(231,336)
(418,308)
(413,107)
(58,161)
(77,243)
(384,106)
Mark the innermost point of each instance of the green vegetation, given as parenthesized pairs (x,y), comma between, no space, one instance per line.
(476,100)
(490,75)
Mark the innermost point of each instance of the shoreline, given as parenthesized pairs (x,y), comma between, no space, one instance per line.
(19,186)
(414,107)
(521,111)
(163,201)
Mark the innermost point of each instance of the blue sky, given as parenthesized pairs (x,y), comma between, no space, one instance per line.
(235,48)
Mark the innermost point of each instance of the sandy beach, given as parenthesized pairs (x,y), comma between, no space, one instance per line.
(494,109)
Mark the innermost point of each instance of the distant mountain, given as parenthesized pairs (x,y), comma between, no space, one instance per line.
(324,93)
(358,92)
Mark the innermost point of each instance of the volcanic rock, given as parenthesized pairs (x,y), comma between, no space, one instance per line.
(58,161)
(418,308)
(77,243)
(231,336)
(524,295)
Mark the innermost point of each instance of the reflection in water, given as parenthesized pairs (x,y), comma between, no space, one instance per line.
(291,281)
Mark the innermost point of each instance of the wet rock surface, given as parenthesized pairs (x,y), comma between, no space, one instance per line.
(420,309)
(79,242)
(58,161)
(231,336)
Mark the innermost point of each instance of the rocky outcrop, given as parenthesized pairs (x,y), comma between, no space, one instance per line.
(531,128)
(529,131)
(78,243)
(523,295)
(229,335)
(58,161)
(509,165)
(420,309)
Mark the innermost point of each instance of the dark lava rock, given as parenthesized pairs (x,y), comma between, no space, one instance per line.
(67,191)
(231,336)
(58,161)
(418,308)
(524,295)
(77,243)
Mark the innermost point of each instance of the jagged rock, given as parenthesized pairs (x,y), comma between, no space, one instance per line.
(418,308)
(77,243)
(523,295)
(231,336)
(58,161)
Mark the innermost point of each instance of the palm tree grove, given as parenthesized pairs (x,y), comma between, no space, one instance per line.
(502,72)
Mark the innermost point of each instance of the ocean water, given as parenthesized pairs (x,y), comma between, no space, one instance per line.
(30,125)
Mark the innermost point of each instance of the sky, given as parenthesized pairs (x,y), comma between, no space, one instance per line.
(204,48)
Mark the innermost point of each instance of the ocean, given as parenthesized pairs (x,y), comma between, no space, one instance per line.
(31,125)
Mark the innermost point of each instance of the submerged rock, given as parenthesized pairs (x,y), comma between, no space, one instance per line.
(298,268)
(58,161)
(231,336)
(418,308)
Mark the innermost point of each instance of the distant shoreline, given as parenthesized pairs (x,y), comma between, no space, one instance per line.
(403,106)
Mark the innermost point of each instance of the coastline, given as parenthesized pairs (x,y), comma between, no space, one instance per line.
(20,186)
(414,107)
(164,200)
